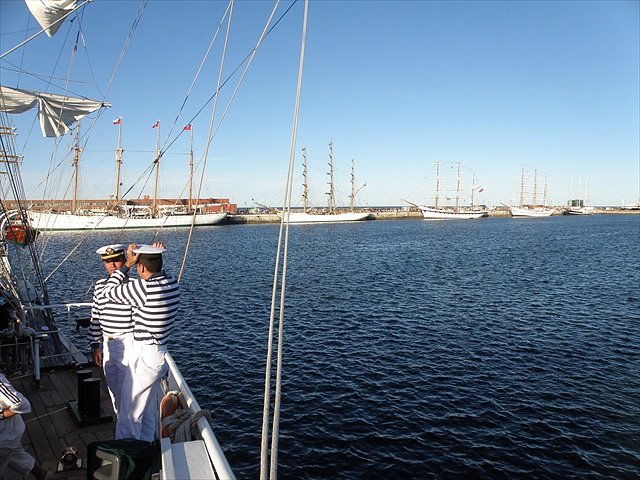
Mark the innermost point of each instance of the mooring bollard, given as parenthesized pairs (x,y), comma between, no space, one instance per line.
(82,398)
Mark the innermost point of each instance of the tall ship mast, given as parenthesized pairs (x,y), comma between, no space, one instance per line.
(331,214)
(119,152)
(331,191)
(438,212)
(305,182)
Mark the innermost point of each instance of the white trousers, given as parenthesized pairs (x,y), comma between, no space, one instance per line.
(115,364)
(141,393)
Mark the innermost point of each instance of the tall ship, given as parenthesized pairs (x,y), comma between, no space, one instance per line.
(534,209)
(118,215)
(70,429)
(331,214)
(456,211)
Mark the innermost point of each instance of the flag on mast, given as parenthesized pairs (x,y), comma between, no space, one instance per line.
(156,125)
(117,121)
(187,127)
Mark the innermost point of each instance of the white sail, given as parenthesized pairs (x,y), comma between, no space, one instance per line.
(48,13)
(56,113)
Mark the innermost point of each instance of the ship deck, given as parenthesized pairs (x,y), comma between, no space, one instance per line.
(50,426)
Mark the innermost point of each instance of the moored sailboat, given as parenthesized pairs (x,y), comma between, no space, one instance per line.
(578,206)
(118,216)
(331,213)
(533,210)
(438,212)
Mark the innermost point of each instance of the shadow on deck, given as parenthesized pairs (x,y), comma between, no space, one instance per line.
(50,427)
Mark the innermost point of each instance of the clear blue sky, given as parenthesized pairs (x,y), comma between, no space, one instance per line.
(397,86)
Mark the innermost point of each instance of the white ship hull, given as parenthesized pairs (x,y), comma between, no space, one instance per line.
(444,214)
(531,212)
(299,217)
(580,211)
(60,221)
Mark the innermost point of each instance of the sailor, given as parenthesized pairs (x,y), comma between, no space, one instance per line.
(155,300)
(111,328)
(12,455)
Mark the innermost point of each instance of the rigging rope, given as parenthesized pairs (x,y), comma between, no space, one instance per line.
(212,130)
(284,225)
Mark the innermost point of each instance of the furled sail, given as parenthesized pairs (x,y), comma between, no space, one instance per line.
(56,113)
(49,12)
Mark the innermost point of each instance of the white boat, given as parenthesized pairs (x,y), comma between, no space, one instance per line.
(330,214)
(451,214)
(578,206)
(455,212)
(522,212)
(580,210)
(44,221)
(118,216)
(301,217)
(533,210)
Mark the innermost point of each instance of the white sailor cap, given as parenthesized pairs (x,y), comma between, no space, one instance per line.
(148,250)
(109,252)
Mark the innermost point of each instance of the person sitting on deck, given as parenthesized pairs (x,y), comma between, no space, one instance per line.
(111,328)
(12,455)
(155,300)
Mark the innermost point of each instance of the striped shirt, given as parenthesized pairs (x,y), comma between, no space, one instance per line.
(107,317)
(12,428)
(154,301)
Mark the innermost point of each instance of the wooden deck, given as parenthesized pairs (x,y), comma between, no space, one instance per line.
(50,427)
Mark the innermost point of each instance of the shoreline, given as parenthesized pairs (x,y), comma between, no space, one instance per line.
(394,214)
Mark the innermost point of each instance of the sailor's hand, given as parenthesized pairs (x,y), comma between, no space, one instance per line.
(97,357)
(158,244)
(132,258)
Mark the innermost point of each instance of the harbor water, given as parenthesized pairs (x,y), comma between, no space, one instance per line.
(494,348)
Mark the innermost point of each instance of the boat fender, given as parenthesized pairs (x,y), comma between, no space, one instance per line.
(168,406)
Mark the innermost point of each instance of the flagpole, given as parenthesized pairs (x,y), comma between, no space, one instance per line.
(154,207)
(118,162)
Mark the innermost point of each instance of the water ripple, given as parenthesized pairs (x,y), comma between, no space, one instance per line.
(495,349)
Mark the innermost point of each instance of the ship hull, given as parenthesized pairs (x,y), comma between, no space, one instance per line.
(64,222)
(531,213)
(441,214)
(580,211)
(299,217)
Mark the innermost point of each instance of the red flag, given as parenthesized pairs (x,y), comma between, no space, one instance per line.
(156,125)
(187,127)
(117,121)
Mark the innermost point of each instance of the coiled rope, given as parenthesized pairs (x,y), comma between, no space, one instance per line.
(185,424)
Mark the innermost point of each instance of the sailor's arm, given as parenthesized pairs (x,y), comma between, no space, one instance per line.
(17,403)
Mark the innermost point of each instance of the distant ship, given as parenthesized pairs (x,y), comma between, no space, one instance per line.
(455,212)
(534,210)
(578,206)
(118,216)
(330,214)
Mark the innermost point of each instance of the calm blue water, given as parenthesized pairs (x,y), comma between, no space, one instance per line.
(497,348)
